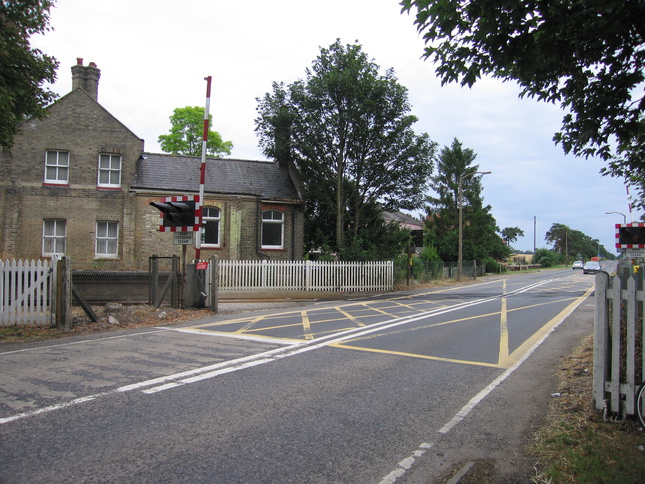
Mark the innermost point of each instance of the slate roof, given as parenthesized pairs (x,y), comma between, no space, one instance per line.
(225,176)
(405,220)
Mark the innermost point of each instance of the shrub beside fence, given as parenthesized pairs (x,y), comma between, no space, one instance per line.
(420,271)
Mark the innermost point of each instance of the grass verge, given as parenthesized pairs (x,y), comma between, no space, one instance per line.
(576,444)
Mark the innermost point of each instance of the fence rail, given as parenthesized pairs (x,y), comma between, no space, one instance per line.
(306,275)
(619,352)
(26,292)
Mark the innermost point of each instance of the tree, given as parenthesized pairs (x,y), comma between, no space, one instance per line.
(480,239)
(571,242)
(510,234)
(586,55)
(547,258)
(23,70)
(348,130)
(187,134)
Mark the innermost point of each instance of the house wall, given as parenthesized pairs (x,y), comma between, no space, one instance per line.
(83,128)
(80,126)
(240,229)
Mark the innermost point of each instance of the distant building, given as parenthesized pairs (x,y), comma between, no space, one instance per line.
(408,222)
(79,183)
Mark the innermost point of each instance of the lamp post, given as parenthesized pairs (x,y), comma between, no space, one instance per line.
(461,228)
(619,213)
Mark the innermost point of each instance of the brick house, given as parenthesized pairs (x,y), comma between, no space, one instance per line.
(79,183)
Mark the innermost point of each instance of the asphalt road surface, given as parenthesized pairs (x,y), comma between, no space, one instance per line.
(397,388)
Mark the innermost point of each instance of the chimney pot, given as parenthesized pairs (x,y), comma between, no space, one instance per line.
(86,77)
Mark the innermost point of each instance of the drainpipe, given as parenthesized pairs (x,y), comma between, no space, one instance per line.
(258,228)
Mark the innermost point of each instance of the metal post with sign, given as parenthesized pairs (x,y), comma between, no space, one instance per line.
(630,239)
(183,238)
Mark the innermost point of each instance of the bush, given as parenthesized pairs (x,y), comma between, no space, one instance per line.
(546,258)
(430,253)
(493,266)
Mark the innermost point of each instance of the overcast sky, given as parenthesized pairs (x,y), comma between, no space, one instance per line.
(155,54)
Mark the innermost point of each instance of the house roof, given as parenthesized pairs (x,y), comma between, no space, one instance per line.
(227,176)
(75,94)
(405,220)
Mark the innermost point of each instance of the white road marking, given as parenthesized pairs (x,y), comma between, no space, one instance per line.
(405,464)
(218,369)
(466,409)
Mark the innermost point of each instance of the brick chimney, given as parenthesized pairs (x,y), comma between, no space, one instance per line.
(86,77)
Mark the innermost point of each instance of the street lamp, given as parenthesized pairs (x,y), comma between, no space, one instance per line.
(624,216)
(461,196)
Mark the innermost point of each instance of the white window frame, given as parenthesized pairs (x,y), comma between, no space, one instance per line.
(107,235)
(211,219)
(53,162)
(54,235)
(110,170)
(269,220)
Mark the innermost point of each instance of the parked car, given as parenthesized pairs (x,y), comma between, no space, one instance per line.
(578,264)
(591,267)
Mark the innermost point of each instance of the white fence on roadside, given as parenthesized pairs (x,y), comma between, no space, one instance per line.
(306,275)
(26,292)
(619,351)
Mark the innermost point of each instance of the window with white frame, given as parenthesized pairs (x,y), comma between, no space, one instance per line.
(211,217)
(57,167)
(272,229)
(109,171)
(107,239)
(54,237)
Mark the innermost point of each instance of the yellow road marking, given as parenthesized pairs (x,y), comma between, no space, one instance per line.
(413,355)
(378,310)
(350,317)
(280,326)
(517,354)
(366,308)
(306,325)
(249,325)
(443,323)
(504,363)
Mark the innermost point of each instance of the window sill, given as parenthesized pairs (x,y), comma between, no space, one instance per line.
(55,185)
(117,189)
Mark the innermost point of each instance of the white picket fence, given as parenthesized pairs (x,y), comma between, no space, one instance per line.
(306,275)
(26,292)
(619,348)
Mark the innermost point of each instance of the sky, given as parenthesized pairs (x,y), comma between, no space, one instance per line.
(154,56)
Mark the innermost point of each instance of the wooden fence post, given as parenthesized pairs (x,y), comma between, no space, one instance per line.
(214,295)
(601,338)
(63,292)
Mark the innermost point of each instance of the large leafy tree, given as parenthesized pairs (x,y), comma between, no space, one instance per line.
(574,243)
(585,55)
(480,238)
(348,130)
(510,234)
(187,134)
(23,70)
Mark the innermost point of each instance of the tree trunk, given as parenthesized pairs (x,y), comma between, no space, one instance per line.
(340,211)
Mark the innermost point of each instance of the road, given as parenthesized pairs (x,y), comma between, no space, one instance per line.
(395,388)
